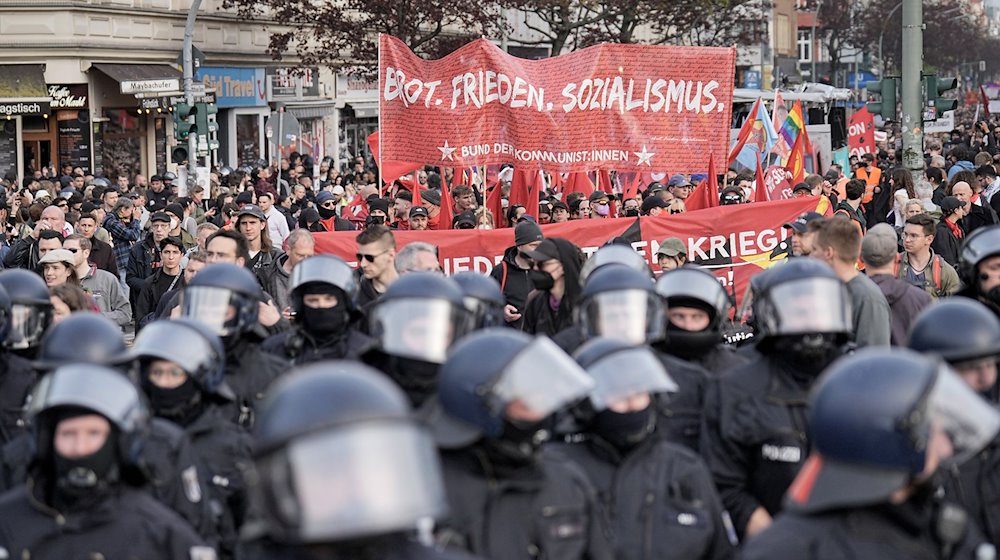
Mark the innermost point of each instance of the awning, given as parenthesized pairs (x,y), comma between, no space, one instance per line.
(143,78)
(23,82)
(311,109)
(364,110)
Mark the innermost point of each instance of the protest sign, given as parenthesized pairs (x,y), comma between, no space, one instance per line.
(861,133)
(735,242)
(626,107)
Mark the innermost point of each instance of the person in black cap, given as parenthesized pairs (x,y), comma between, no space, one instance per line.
(560,212)
(144,257)
(802,238)
(418,218)
(731,195)
(600,205)
(802,190)
(326,206)
(654,206)
(432,202)
(465,220)
(378,212)
(176,213)
(948,236)
(556,278)
(512,272)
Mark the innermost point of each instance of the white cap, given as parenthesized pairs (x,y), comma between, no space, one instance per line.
(338,190)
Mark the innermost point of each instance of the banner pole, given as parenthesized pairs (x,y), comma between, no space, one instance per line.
(378,156)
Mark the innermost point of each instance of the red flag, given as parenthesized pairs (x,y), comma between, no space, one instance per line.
(707,193)
(524,188)
(445,216)
(797,161)
(986,101)
(494,203)
(390,170)
(760,192)
(414,188)
(578,182)
(745,130)
(631,189)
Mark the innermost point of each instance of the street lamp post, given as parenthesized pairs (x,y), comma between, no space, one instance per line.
(882,36)
(188,59)
(913,63)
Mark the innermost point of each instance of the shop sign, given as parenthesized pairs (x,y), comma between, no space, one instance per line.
(68,96)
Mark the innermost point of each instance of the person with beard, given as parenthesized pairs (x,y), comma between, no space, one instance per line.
(635,473)
(754,429)
(883,424)
(321,294)
(227,298)
(31,311)
(180,366)
(555,276)
(326,206)
(82,497)
(979,267)
(971,346)
(509,497)
(166,459)
(619,302)
(696,306)
(414,324)
(346,472)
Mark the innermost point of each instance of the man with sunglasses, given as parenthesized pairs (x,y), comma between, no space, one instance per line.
(103,287)
(376,259)
(326,205)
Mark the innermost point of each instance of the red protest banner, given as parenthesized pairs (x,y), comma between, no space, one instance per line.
(861,133)
(735,242)
(609,106)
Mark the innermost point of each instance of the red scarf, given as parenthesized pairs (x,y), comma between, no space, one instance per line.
(955,230)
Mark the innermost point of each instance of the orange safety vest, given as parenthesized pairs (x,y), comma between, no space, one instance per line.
(871,181)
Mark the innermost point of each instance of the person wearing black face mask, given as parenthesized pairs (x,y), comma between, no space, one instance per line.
(971,345)
(512,272)
(638,476)
(979,267)
(754,426)
(322,290)
(414,324)
(696,305)
(181,367)
(82,498)
(509,498)
(326,206)
(556,278)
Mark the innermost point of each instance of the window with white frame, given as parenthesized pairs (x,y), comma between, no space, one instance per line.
(805,45)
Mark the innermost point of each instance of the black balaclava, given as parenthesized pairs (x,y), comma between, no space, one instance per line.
(327,213)
(417,378)
(324,323)
(624,430)
(85,480)
(690,345)
(806,356)
(517,445)
(182,404)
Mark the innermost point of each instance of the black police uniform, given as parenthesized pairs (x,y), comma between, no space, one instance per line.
(658,500)
(717,360)
(298,347)
(544,509)
(393,547)
(127,523)
(16,380)
(754,436)
(975,485)
(886,532)
(249,372)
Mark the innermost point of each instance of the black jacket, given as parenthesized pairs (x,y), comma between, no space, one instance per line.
(975,485)
(223,450)
(249,373)
(23,254)
(547,509)
(17,378)
(127,524)
(298,347)
(754,436)
(978,217)
(143,260)
(659,500)
(389,547)
(152,290)
(263,261)
(514,283)
(904,532)
(946,245)
(540,318)
(103,255)
(274,280)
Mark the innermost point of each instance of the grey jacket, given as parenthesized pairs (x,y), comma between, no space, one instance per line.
(106,291)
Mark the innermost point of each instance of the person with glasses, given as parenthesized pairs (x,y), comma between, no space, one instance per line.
(101,285)
(919,265)
(376,258)
(327,206)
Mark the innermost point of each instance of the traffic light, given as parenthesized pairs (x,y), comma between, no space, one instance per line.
(935,86)
(203,124)
(182,125)
(886,105)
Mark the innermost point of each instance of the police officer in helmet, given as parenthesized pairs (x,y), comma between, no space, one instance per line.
(343,471)
(509,498)
(883,423)
(414,324)
(180,365)
(696,307)
(979,267)
(167,458)
(31,310)
(754,437)
(966,334)
(323,288)
(483,299)
(80,500)
(16,381)
(635,472)
(227,298)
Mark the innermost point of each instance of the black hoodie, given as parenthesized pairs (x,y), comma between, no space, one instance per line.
(514,283)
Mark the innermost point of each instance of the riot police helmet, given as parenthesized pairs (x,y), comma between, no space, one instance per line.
(83,337)
(618,301)
(188,343)
(483,299)
(225,297)
(979,246)
(31,308)
(801,297)
(614,253)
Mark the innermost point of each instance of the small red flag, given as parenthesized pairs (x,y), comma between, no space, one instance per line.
(706,195)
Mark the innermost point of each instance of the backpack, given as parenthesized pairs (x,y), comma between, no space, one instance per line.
(935,270)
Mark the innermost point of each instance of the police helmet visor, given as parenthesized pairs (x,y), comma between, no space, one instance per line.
(163,340)
(102,390)
(632,316)
(543,378)
(338,485)
(623,374)
(484,314)
(806,306)
(324,269)
(969,421)
(613,254)
(27,325)
(220,309)
(421,329)
(691,283)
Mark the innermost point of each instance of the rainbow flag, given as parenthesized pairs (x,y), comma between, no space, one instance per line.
(793,125)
